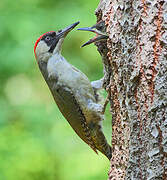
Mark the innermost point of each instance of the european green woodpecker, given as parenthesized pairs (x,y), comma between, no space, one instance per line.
(101,41)
(99,29)
(71,90)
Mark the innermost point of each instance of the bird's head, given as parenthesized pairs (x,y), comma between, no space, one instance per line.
(99,29)
(51,43)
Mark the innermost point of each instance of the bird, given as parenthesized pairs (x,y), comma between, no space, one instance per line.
(101,36)
(99,29)
(71,90)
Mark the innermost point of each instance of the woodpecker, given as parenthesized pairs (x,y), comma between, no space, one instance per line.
(101,35)
(71,90)
(99,29)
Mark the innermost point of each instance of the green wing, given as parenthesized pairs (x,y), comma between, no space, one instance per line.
(71,110)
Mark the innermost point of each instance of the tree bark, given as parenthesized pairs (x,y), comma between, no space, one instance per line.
(135,62)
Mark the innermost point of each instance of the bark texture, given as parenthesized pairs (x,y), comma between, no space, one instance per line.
(135,59)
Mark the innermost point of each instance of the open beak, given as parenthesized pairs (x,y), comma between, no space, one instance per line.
(63,33)
(99,35)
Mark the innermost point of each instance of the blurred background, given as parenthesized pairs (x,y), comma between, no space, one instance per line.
(36,142)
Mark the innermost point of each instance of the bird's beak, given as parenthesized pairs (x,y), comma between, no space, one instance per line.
(63,33)
(59,38)
(99,35)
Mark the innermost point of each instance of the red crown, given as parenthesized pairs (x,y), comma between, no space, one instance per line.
(37,41)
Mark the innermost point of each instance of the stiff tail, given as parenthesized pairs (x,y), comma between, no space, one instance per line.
(100,141)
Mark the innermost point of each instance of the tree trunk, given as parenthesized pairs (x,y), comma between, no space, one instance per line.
(135,59)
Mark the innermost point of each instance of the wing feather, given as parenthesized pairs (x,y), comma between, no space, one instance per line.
(71,110)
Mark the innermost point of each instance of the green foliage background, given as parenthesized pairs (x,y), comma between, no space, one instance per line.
(36,142)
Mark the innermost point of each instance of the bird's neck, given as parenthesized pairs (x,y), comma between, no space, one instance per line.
(54,61)
(57,56)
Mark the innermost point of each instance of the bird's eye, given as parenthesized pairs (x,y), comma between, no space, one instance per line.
(47,38)
(100,28)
